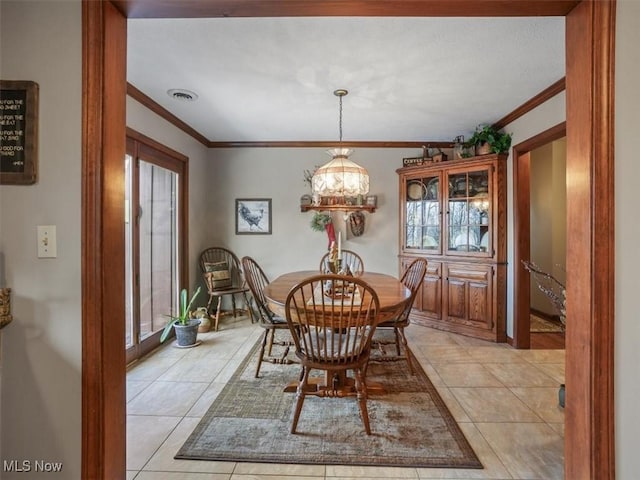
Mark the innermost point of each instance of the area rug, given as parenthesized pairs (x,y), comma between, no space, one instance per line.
(250,420)
(543,325)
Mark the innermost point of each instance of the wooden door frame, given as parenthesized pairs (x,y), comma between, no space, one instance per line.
(144,148)
(589,415)
(522,231)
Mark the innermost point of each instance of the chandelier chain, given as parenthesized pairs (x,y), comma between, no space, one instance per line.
(340,129)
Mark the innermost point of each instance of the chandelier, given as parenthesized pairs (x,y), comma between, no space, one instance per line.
(340,177)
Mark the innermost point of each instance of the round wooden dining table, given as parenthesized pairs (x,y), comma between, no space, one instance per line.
(392,294)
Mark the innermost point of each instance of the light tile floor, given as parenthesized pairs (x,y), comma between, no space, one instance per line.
(504,399)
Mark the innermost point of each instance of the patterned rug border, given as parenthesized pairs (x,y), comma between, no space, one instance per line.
(469,458)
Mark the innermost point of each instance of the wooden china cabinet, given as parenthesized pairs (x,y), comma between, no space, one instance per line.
(453,213)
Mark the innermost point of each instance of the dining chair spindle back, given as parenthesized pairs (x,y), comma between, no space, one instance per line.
(257,280)
(412,278)
(332,319)
(222,275)
(349,257)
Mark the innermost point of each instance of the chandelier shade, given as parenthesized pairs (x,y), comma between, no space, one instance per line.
(340,177)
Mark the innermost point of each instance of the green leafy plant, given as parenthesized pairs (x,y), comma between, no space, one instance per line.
(498,142)
(320,221)
(184,314)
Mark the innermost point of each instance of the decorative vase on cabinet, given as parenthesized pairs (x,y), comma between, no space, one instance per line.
(454,214)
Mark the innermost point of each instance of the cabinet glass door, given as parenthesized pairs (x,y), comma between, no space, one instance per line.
(468,212)
(422,215)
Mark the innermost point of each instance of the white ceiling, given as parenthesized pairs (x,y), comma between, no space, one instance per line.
(409,78)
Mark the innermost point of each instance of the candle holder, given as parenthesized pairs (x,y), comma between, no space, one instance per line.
(335,266)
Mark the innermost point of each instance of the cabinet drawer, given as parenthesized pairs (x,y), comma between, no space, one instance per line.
(469,272)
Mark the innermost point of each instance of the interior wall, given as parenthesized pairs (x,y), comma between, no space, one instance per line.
(148,123)
(548,217)
(545,116)
(277,173)
(627,232)
(41,349)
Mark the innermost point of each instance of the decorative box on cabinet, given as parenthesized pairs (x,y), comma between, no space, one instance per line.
(454,215)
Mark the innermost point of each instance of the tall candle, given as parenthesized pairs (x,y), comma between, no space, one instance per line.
(340,245)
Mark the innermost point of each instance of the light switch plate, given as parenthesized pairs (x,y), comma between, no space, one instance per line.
(47,244)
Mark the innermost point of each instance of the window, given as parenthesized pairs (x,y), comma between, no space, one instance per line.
(155,232)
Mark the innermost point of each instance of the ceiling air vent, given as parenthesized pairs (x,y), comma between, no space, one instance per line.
(182,95)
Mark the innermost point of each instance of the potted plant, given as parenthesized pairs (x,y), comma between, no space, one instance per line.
(185,326)
(486,139)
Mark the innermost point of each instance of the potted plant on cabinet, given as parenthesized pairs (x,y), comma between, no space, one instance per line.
(185,326)
(486,139)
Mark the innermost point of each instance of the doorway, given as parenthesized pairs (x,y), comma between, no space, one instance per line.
(154,230)
(590,82)
(522,188)
(548,254)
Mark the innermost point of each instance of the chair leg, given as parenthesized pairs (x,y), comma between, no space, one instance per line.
(361,395)
(395,332)
(304,376)
(218,311)
(249,309)
(233,302)
(209,304)
(407,350)
(271,338)
(261,354)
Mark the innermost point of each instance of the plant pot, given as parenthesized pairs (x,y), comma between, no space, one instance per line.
(205,324)
(186,335)
(483,148)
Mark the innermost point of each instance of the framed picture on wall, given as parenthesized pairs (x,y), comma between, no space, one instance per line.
(253,216)
(18,132)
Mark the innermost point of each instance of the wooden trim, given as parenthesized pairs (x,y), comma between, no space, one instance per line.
(141,138)
(522,229)
(324,144)
(522,110)
(305,8)
(145,148)
(551,134)
(148,102)
(589,415)
(589,367)
(159,110)
(531,104)
(521,248)
(103,132)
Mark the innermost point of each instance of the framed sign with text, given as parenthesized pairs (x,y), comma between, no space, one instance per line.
(18,132)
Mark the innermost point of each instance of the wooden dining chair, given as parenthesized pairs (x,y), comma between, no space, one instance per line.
(222,275)
(349,257)
(412,278)
(332,319)
(257,280)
